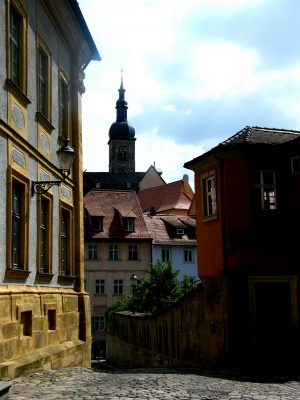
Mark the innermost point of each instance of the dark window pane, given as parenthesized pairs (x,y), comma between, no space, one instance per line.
(268,177)
(256,177)
(256,198)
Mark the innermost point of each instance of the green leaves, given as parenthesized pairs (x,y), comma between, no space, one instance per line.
(155,294)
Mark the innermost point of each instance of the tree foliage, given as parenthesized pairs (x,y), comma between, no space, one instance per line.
(154,294)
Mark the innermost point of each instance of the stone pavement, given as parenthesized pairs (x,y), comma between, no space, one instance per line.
(104,382)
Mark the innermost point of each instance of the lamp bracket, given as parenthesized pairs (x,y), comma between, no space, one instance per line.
(43,187)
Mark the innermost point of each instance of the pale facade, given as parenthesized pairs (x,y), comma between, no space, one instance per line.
(44,310)
(117,243)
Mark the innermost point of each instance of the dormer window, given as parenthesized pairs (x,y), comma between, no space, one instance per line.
(180,231)
(128,224)
(97,224)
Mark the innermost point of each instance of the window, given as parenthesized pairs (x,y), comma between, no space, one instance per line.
(188,255)
(43,234)
(16,49)
(209,200)
(295,165)
(44,237)
(128,224)
(113,252)
(100,286)
(99,324)
(165,255)
(43,230)
(14,35)
(180,231)
(51,320)
(118,286)
(66,248)
(63,126)
(97,224)
(16,225)
(132,252)
(93,251)
(264,190)
(26,323)
(123,153)
(64,242)
(42,82)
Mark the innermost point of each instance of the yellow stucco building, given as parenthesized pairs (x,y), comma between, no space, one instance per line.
(44,309)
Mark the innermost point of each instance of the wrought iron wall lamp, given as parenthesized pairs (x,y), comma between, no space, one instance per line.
(65,156)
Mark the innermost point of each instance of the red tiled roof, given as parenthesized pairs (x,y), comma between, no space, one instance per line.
(164,197)
(157,227)
(113,205)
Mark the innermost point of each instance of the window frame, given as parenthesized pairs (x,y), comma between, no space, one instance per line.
(188,259)
(128,224)
(133,249)
(21,15)
(47,199)
(112,250)
(118,284)
(97,219)
(207,194)
(262,186)
(164,251)
(68,235)
(43,53)
(93,251)
(14,176)
(99,286)
(99,320)
(64,107)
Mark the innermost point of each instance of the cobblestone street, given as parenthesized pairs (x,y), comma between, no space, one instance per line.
(103,382)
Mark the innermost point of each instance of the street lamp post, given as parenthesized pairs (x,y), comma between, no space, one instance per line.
(133,279)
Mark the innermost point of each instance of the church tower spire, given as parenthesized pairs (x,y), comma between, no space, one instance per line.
(121,137)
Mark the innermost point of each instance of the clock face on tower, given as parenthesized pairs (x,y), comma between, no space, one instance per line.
(123,149)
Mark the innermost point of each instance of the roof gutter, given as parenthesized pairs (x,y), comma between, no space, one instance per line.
(95,56)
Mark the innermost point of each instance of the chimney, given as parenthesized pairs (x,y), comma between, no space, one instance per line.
(152,211)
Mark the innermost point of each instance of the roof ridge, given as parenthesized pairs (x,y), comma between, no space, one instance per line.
(275,129)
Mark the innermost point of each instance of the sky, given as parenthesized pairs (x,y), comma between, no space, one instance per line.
(195,72)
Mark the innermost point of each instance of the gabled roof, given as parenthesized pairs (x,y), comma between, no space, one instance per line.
(164,197)
(157,227)
(114,205)
(252,136)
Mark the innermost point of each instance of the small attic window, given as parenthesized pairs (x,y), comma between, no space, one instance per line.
(97,224)
(180,231)
(128,224)
(128,185)
(98,185)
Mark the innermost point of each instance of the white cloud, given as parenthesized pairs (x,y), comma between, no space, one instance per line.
(224,68)
(167,154)
(169,107)
(188,6)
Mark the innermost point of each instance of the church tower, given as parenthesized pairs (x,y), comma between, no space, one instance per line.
(121,138)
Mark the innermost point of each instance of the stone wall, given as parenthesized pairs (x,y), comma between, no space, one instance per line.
(42,328)
(194,332)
